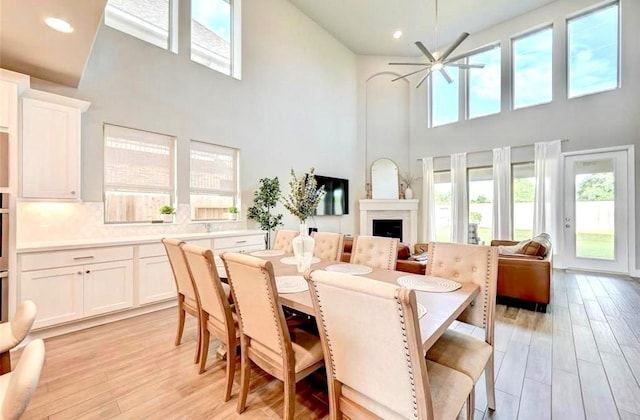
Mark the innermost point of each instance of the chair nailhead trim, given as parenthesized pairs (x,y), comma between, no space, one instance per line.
(408,358)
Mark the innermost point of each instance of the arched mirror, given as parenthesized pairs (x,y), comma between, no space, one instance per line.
(384,179)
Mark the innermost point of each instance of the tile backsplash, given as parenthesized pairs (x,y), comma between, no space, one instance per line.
(49,221)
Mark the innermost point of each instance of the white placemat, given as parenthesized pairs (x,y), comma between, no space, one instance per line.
(292,260)
(428,284)
(291,284)
(267,253)
(349,268)
(422,311)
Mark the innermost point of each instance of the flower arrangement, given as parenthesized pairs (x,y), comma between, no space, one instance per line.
(409,180)
(304,196)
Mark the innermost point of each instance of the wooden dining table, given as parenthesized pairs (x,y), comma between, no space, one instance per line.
(442,307)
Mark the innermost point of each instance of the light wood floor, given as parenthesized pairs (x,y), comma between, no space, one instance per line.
(579,360)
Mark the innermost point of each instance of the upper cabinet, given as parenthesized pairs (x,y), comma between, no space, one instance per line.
(51,133)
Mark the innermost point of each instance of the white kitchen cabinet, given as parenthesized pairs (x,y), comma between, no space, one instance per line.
(107,287)
(155,280)
(8,98)
(51,134)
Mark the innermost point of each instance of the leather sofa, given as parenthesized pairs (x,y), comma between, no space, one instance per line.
(404,262)
(524,277)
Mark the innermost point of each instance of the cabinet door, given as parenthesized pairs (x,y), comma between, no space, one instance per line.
(50,150)
(108,287)
(8,99)
(156,280)
(57,294)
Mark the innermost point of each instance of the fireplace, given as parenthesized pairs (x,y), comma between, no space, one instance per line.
(404,211)
(390,228)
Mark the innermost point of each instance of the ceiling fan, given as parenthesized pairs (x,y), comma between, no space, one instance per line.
(437,62)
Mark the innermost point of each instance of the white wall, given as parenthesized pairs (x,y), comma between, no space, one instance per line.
(589,122)
(295,106)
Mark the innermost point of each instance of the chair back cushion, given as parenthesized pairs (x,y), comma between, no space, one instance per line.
(283,240)
(375,251)
(372,342)
(213,300)
(22,322)
(23,380)
(328,245)
(260,315)
(179,267)
(468,263)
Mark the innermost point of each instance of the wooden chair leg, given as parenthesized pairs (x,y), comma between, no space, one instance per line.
(289,398)
(231,371)
(5,362)
(221,352)
(245,372)
(181,316)
(204,342)
(471,404)
(489,376)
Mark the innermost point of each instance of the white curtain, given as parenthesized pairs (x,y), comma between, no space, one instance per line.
(428,201)
(548,188)
(502,193)
(459,205)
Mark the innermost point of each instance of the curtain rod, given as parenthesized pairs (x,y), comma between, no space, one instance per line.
(484,151)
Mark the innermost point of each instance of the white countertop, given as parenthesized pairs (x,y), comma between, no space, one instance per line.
(127,240)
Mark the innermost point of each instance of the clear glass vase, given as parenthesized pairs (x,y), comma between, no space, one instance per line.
(303,245)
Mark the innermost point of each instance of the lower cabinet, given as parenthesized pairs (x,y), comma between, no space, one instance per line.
(107,287)
(155,280)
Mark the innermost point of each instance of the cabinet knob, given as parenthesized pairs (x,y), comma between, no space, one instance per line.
(73,193)
(79,273)
(88,271)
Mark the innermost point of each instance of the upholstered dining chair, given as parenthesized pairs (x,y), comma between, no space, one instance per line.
(373,352)
(187,300)
(216,316)
(476,264)
(375,251)
(283,239)
(17,387)
(265,339)
(13,332)
(328,246)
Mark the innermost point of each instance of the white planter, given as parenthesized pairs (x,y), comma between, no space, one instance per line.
(408,193)
(167,218)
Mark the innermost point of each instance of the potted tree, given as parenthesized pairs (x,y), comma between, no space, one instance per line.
(265,199)
(167,213)
(232,213)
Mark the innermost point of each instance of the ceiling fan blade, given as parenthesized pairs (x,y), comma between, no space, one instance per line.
(466,66)
(469,53)
(409,74)
(408,64)
(423,79)
(446,75)
(425,51)
(446,53)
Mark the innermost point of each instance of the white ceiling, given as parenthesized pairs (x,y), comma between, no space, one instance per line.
(366,26)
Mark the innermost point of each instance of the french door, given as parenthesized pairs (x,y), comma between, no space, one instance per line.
(596,211)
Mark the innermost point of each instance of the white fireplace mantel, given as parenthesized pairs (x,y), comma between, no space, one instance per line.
(406,210)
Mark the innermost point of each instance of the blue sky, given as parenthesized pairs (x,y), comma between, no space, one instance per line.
(592,59)
(214,14)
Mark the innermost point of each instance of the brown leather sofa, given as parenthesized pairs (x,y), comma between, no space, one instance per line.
(404,262)
(524,277)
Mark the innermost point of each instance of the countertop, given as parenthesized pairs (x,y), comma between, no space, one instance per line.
(127,240)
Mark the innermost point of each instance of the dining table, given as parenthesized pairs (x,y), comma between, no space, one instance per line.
(442,308)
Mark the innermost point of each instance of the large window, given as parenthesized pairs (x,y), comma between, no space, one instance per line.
(442,188)
(444,98)
(532,62)
(593,51)
(139,174)
(523,194)
(153,21)
(213,180)
(481,201)
(214,36)
(484,84)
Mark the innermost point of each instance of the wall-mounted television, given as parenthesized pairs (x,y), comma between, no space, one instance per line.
(336,200)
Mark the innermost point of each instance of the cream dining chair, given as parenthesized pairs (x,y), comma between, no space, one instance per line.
(375,251)
(283,239)
(328,245)
(462,352)
(13,332)
(187,300)
(17,387)
(216,316)
(265,339)
(373,353)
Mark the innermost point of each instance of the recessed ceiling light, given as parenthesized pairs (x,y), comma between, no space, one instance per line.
(397,34)
(59,25)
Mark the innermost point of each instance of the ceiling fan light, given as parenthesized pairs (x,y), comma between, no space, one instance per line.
(437,66)
(397,34)
(59,25)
